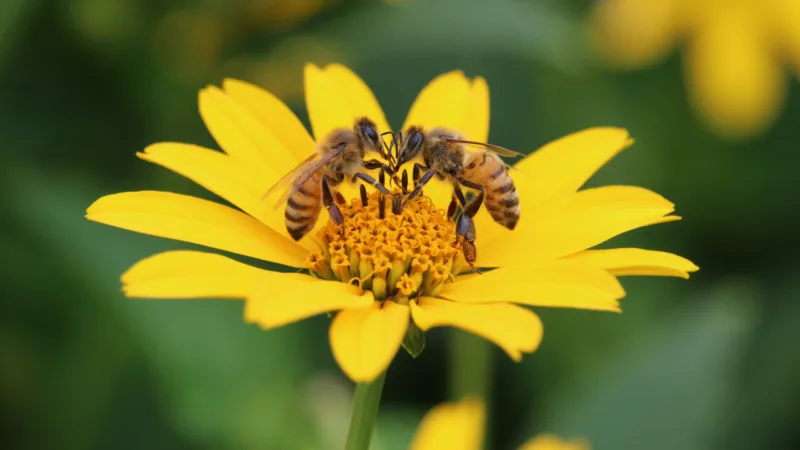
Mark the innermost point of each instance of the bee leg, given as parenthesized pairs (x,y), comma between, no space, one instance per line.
(372,182)
(421,183)
(465,227)
(385,168)
(471,208)
(471,185)
(470,255)
(451,209)
(339,198)
(458,198)
(458,194)
(465,234)
(419,172)
(328,202)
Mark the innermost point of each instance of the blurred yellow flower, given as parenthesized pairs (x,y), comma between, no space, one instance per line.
(383,272)
(459,426)
(733,61)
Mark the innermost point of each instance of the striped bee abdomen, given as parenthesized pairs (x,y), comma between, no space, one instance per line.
(303,207)
(501,198)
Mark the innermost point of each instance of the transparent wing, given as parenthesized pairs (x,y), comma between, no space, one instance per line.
(304,172)
(502,151)
(286,179)
(505,152)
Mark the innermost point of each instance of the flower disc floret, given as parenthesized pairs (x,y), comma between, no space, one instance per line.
(396,256)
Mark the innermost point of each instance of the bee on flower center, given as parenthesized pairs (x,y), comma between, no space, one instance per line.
(445,156)
(312,184)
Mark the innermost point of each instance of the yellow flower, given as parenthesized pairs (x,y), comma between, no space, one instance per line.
(734,57)
(381,272)
(459,426)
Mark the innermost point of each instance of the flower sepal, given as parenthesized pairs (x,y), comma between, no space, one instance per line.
(414,340)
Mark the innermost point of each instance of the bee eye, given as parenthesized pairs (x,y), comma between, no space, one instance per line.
(415,140)
(370,133)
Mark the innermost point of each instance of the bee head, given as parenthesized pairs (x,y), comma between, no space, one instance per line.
(412,145)
(367,134)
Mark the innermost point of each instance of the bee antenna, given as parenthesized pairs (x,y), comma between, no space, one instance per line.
(397,138)
(388,148)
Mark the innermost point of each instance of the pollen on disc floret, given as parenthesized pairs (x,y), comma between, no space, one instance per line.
(396,256)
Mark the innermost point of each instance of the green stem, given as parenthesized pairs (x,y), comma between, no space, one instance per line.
(471,369)
(365,411)
(470,366)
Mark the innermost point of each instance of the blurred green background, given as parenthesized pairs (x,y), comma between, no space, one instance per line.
(710,363)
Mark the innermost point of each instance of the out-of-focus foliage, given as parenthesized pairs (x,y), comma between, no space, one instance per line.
(84,84)
(733,60)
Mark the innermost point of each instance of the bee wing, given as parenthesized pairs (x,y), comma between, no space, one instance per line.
(286,179)
(300,174)
(502,151)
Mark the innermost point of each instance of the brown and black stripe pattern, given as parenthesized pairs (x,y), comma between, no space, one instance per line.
(303,207)
(501,198)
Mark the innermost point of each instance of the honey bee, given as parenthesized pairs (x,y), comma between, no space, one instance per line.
(338,157)
(445,155)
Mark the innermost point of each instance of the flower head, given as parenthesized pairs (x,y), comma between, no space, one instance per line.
(385,274)
(734,56)
(459,426)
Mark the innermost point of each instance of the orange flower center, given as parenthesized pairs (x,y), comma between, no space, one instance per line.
(396,256)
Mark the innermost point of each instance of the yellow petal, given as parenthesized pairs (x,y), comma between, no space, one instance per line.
(189,274)
(243,136)
(552,442)
(636,261)
(458,426)
(443,102)
(554,284)
(514,329)
(364,341)
(224,176)
(273,115)
(734,79)
(476,122)
(281,298)
(574,222)
(361,101)
(336,97)
(564,165)
(327,107)
(634,33)
(195,220)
